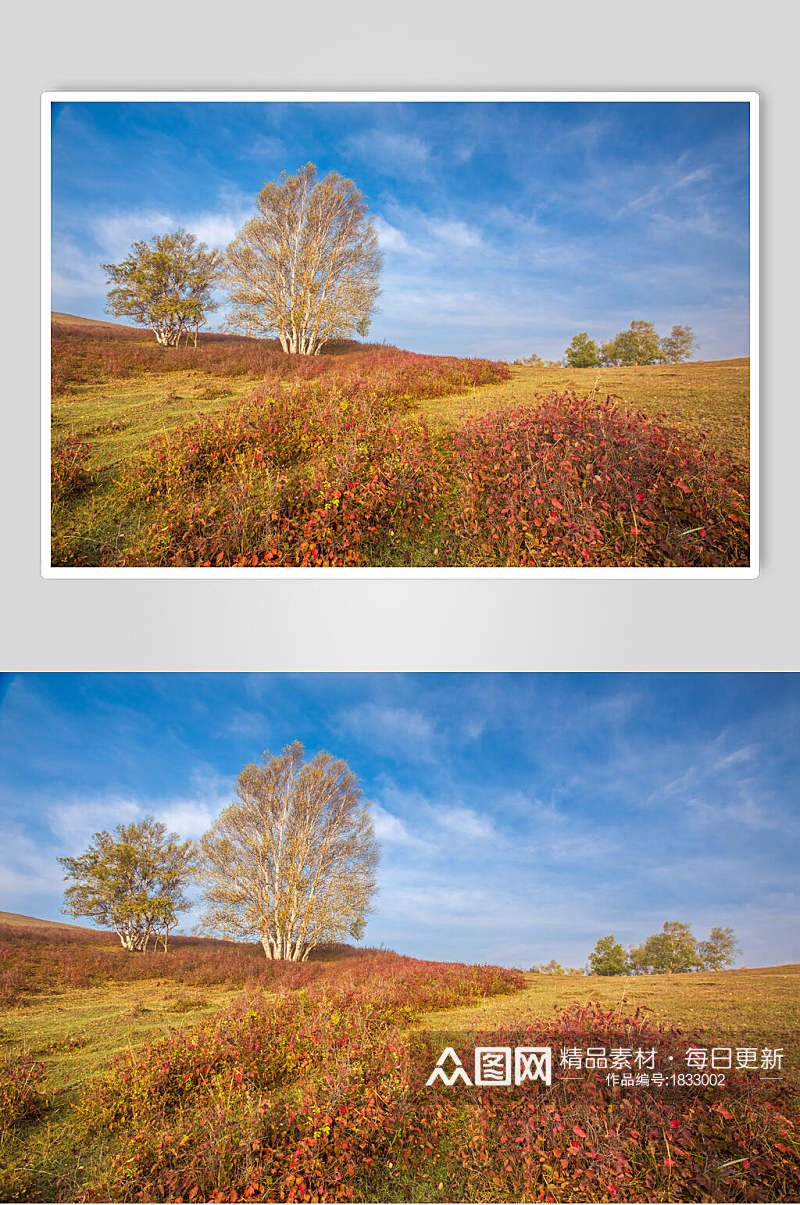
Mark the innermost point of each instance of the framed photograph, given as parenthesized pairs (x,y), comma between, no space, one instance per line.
(400,334)
(452,937)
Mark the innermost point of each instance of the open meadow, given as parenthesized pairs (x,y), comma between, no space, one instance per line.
(207,1073)
(234,454)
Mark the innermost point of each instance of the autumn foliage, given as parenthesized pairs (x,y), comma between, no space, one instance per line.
(21,1091)
(325,465)
(44,959)
(315,1093)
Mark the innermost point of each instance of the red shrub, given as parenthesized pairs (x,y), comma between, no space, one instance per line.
(316,1095)
(69,471)
(21,1097)
(579,482)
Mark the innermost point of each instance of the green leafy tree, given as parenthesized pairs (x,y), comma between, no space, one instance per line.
(166,284)
(639,344)
(678,345)
(583,352)
(306,267)
(720,950)
(672,950)
(131,881)
(608,957)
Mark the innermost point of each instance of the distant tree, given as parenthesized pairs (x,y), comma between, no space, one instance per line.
(553,967)
(582,352)
(166,284)
(678,345)
(307,265)
(639,344)
(292,860)
(720,950)
(672,950)
(531,361)
(608,957)
(131,881)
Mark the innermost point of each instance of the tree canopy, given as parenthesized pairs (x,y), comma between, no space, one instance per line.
(131,881)
(306,267)
(166,284)
(639,344)
(679,344)
(673,950)
(291,861)
(720,949)
(582,352)
(608,957)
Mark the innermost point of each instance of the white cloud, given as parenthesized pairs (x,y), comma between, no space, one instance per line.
(74,273)
(114,233)
(392,239)
(75,821)
(28,867)
(456,233)
(465,822)
(737,757)
(394,831)
(394,154)
(400,729)
(265,146)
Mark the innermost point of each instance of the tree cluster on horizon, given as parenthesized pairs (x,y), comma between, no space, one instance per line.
(673,950)
(639,344)
(290,862)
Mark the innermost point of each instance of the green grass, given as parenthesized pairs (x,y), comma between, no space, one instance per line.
(117,419)
(732,1005)
(710,399)
(77,1033)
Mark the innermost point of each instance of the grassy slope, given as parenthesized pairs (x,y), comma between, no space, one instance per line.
(33,922)
(763,1003)
(117,418)
(708,398)
(76,1035)
(78,1032)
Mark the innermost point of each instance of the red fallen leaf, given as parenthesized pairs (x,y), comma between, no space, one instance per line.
(577,1130)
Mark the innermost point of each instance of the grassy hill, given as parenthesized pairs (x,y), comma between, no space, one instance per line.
(232,453)
(173,1085)
(33,922)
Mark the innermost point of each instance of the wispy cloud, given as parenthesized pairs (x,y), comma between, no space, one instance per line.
(401,730)
(393,153)
(74,821)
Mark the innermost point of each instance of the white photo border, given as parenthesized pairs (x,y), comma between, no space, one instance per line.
(48,570)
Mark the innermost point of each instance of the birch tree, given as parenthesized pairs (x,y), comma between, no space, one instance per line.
(166,284)
(306,266)
(131,881)
(291,861)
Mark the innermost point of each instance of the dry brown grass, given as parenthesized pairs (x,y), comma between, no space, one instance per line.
(711,399)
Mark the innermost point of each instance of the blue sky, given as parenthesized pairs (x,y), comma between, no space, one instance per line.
(521,816)
(506,227)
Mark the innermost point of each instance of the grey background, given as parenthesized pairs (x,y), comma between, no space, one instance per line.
(410,624)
